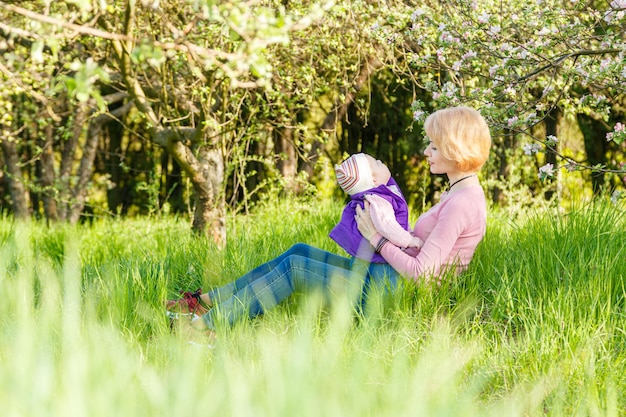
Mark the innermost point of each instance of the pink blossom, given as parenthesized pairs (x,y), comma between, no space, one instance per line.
(618,133)
(418,115)
(468,55)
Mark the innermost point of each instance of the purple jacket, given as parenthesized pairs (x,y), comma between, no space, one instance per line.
(346,233)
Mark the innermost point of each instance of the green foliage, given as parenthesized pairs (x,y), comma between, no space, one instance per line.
(533,328)
(253,75)
(82,85)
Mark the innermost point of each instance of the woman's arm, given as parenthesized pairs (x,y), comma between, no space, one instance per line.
(451,231)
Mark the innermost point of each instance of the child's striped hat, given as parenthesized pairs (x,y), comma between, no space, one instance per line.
(354,175)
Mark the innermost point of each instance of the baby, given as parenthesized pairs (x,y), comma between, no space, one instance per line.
(365,178)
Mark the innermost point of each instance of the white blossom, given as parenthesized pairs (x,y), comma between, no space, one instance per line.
(531,148)
(546,171)
(494,30)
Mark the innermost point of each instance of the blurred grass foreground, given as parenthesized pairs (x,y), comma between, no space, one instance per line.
(534,328)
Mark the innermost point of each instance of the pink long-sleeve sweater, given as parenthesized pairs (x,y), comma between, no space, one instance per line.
(451,231)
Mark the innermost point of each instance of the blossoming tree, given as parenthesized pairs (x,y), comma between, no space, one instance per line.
(525,64)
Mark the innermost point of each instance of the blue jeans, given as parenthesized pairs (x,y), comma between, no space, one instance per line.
(301,268)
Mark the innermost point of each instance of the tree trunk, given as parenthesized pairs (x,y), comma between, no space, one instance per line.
(284,145)
(206,173)
(551,123)
(113,166)
(288,162)
(85,169)
(15,179)
(596,147)
(70,147)
(173,184)
(3,187)
(503,146)
(48,175)
(79,191)
(209,215)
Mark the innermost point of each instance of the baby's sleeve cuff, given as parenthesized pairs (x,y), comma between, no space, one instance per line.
(375,239)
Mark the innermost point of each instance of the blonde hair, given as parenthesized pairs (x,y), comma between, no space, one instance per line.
(461,135)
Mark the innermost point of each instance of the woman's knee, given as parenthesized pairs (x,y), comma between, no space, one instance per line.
(299,249)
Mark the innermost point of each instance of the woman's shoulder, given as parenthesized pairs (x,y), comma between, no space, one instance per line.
(465,198)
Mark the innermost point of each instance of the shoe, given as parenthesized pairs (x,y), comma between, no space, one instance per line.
(175,318)
(189,303)
(191,328)
(181,316)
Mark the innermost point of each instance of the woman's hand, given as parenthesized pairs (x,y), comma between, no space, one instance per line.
(364,221)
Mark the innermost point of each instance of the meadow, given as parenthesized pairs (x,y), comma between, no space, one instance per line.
(535,327)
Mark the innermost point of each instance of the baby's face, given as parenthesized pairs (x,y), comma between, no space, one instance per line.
(380,172)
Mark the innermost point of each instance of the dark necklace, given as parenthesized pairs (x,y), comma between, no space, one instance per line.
(458,181)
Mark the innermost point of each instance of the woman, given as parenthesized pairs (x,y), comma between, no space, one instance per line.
(451,230)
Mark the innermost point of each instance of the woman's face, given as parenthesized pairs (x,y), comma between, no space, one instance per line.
(380,172)
(438,164)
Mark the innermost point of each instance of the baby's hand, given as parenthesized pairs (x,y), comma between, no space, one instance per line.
(416,242)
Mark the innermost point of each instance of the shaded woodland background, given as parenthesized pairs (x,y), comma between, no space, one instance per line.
(200,108)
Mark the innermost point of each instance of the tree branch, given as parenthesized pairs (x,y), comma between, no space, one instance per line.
(99,33)
(557,62)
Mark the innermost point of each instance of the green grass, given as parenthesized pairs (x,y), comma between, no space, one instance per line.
(536,326)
